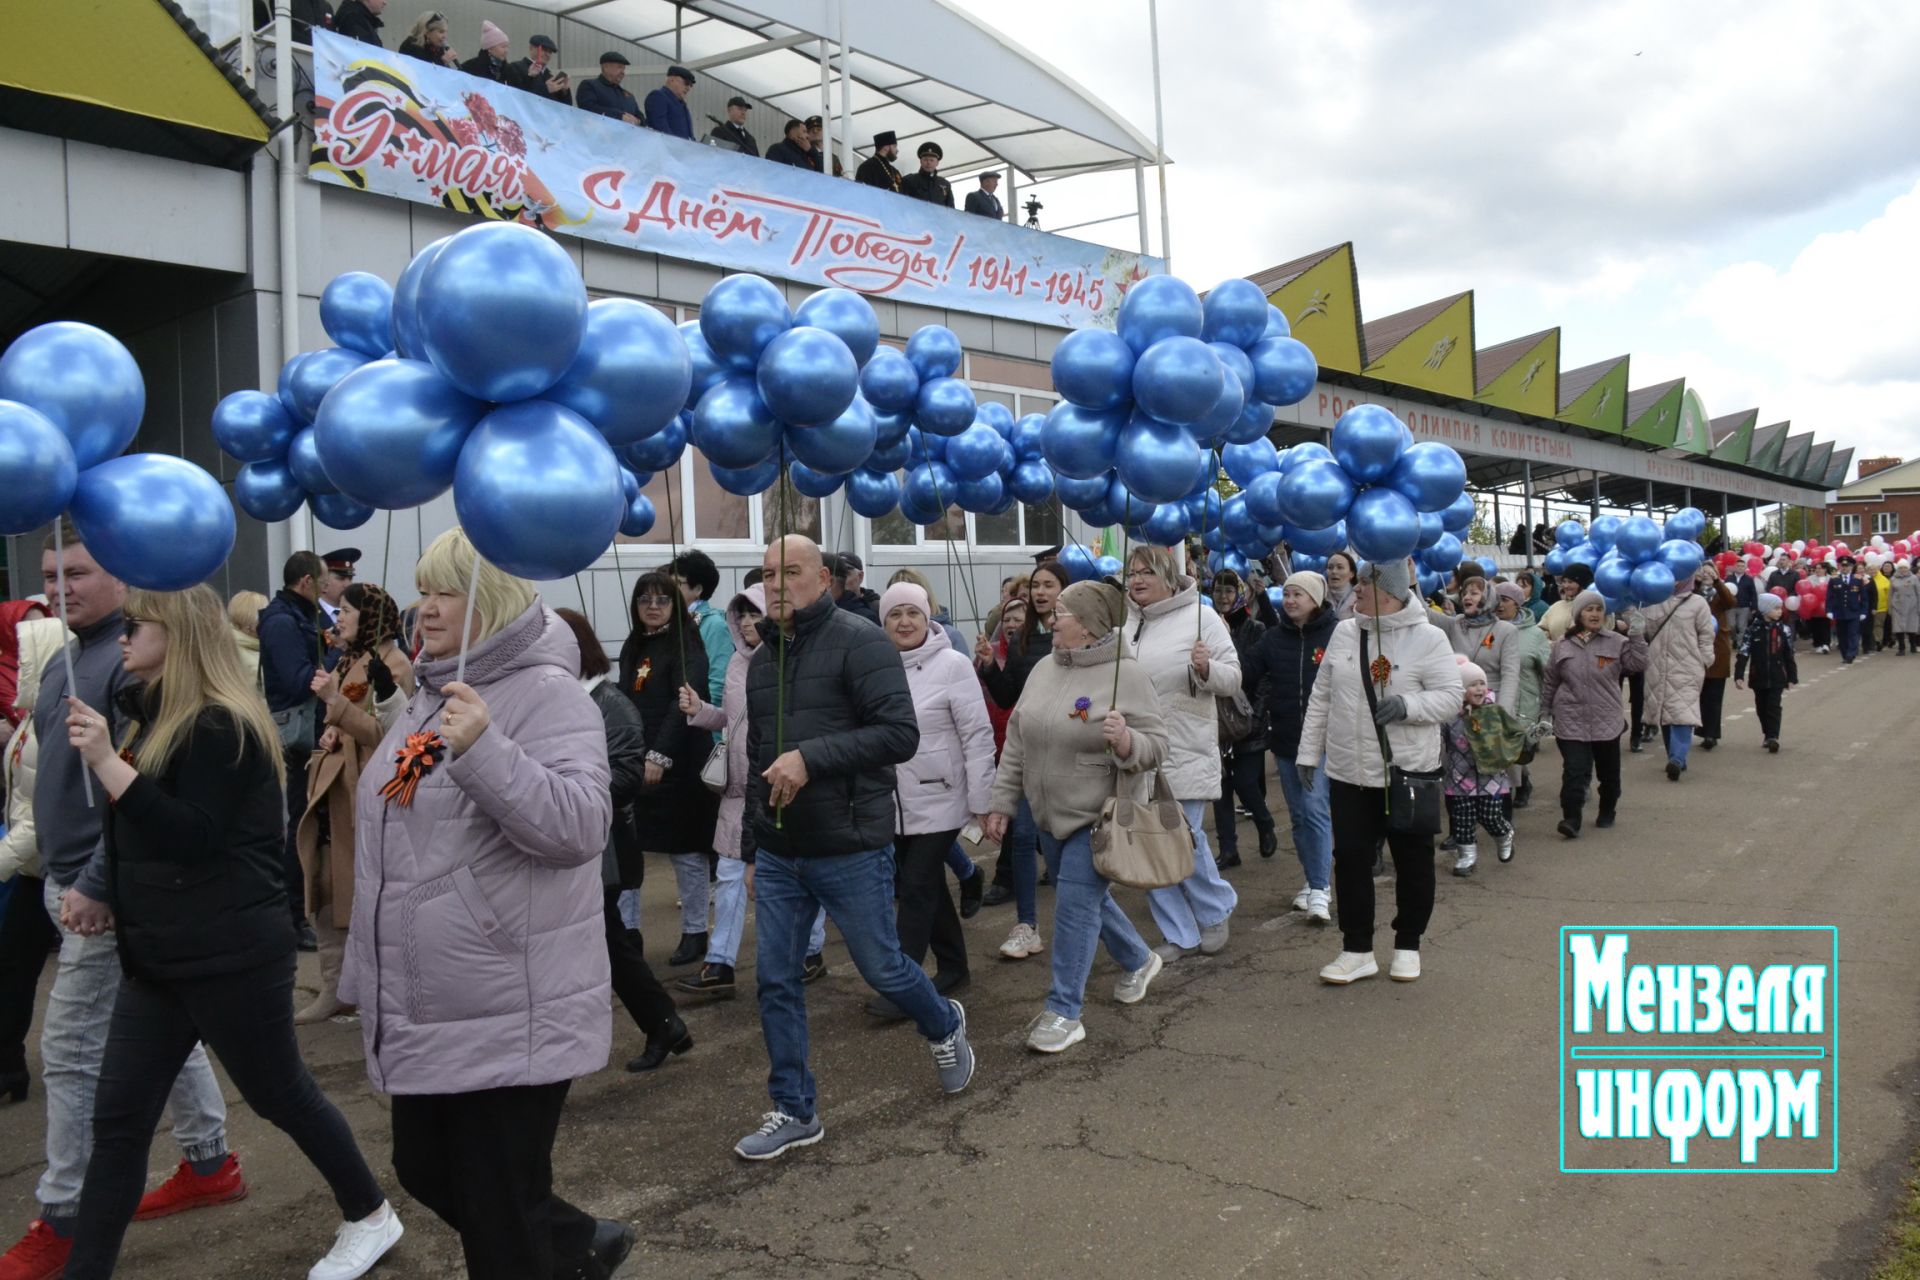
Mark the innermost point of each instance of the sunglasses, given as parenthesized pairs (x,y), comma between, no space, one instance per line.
(133,625)
(653,601)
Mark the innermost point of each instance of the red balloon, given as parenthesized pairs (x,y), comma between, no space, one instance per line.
(1755,564)
(1754,549)
(1841,549)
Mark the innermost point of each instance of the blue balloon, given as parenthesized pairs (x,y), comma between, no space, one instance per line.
(1081,564)
(1446,554)
(706,370)
(1234,360)
(1489,566)
(1219,425)
(1652,581)
(975,452)
(918,512)
(890,382)
(1160,307)
(807,376)
(1682,556)
(267,490)
(1317,542)
(744,482)
(283,389)
(1027,432)
(1584,554)
(934,352)
(922,445)
(1277,595)
(1008,460)
(1080,493)
(154,521)
(1156,460)
(1093,368)
(356,310)
(1603,531)
(1432,582)
(1430,529)
(1119,506)
(1613,575)
(253,426)
(338,511)
(1166,527)
(945,406)
(1031,481)
(931,485)
(1569,534)
(1256,550)
(633,374)
(847,316)
(888,428)
(1459,514)
(1367,443)
(502,309)
(873,494)
(1277,326)
(1080,443)
(318,373)
(984,494)
(37,468)
(837,447)
(661,449)
(1235,312)
(810,483)
(1382,525)
(637,520)
(82,381)
(538,490)
(1284,370)
(303,459)
(1315,494)
(1237,522)
(1263,499)
(1109,566)
(1637,539)
(1231,560)
(389,435)
(1245,462)
(1556,561)
(1687,523)
(407,337)
(1178,380)
(1255,420)
(997,416)
(1430,475)
(1299,453)
(889,457)
(733,426)
(740,316)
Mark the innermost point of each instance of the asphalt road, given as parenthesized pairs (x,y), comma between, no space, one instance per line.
(1244,1120)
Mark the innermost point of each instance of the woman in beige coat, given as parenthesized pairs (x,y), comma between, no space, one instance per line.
(361,697)
(1679,633)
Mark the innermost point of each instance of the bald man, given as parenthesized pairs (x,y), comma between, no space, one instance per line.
(828,717)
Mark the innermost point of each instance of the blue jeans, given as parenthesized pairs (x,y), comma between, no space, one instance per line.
(857,891)
(1084,915)
(730,916)
(958,862)
(1018,852)
(1308,810)
(1202,900)
(1679,742)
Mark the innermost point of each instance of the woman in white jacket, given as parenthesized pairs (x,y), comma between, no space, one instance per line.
(26,933)
(1416,688)
(1188,653)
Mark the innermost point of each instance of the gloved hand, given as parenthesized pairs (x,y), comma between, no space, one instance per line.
(1636,625)
(381,678)
(1307,773)
(1392,709)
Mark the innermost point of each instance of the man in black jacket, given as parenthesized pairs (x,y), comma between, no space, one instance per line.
(290,653)
(734,128)
(829,715)
(360,20)
(850,591)
(532,74)
(984,202)
(792,148)
(926,183)
(877,169)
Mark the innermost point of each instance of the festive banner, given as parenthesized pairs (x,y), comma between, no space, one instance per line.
(403,127)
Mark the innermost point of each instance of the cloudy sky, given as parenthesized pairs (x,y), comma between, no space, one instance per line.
(1728,192)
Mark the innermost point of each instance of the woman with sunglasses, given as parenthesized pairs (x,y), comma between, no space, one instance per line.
(361,697)
(428,41)
(193,829)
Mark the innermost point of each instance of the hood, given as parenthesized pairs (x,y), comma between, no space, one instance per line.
(1413,615)
(753,597)
(537,638)
(1474,621)
(1184,598)
(1104,650)
(1321,623)
(12,614)
(1523,618)
(41,640)
(936,642)
(247,643)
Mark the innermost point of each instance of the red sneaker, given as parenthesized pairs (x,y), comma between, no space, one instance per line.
(40,1255)
(188,1190)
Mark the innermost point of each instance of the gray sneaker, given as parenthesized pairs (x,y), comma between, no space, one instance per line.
(1051,1033)
(1131,988)
(953,1057)
(777,1132)
(1213,939)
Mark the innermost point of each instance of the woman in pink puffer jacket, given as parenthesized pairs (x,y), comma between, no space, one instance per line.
(477,952)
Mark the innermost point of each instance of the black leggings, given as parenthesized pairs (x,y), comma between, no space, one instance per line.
(1243,772)
(1637,700)
(634,983)
(27,936)
(925,915)
(1579,763)
(247,1020)
(1359,824)
(1713,696)
(1468,814)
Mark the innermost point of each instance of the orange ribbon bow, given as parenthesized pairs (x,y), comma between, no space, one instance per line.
(411,763)
(354,691)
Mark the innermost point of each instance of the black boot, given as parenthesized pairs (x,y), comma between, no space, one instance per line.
(712,980)
(612,1242)
(13,1084)
(1605,819)
(1269,842)
(1228,860)
(692,948)
(672,1038)
(972,892)
(1570,826)
(1524,796)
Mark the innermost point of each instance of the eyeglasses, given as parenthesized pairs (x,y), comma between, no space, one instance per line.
(653,601)
(1139,573)
(133,625)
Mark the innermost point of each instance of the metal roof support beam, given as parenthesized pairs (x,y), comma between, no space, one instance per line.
(846,99)
(748,51)
(1159,132)
(1526,508)
(1140,200)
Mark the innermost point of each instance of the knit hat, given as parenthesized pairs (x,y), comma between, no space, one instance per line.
(1579,573)
(1309,582)
(904,593)
(1099,607)
(1585,598)
(1470,673)
(1511,591)
(1771,603)
(1394,577)
(492,37)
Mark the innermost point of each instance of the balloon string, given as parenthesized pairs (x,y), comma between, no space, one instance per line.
(466,626)
(66,648)
(386,551)
(780,655)
(952,564)
(1213,476)
(673,548)
(419,549)
(1126,518)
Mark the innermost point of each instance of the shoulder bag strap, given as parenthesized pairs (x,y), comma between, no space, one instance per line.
(1373,704)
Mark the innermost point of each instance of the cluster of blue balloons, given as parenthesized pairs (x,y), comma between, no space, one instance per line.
(71,401)
(1634,561)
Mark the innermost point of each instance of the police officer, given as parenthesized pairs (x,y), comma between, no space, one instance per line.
(927,184)
(877,170)
(339,576)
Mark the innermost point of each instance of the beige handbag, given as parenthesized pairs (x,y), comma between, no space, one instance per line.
(1142,846)
(714,771)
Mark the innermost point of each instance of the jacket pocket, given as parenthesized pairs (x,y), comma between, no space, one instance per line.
(937,769)
(459,963)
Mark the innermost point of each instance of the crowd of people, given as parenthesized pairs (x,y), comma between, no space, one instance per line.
(455,804)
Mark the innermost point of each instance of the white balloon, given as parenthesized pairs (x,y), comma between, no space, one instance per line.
(1793,604)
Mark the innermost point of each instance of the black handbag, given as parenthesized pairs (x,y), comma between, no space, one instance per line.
(1413,796)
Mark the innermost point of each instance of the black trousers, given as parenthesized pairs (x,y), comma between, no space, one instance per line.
(1766,705)
(634,983)
(1243,776)
(247,1020)
(1819,630)
(27,936)
(1637,700)
(1713,696)
(1579,762)
(484,1163)
(290,872)
(1359,824)
(926,915)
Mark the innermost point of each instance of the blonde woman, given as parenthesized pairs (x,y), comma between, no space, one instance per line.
(428,40)
(243,611)
(193,838)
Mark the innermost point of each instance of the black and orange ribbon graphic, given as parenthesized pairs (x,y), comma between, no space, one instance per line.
(411,763)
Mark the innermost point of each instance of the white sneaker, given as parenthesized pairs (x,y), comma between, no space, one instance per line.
(1170,952)
(1302,901)
(1469,854)
(1405,966)
(1022,941)
(1506,847)
(1051,1033)
(1350,966)
(358,1245)
(1213,939)
(1131,988)
(1317,906)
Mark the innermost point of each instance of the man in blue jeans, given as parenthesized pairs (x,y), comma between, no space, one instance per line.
(828,717)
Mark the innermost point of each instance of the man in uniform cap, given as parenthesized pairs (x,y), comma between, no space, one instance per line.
(984,202)
(927,184)
(532,74)
(603,95)
(338,578)
(817,147)
(734,128)
(667,106)
(877,170)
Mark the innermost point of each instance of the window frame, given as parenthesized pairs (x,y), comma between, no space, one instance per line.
(1886,522)
(1841,522)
